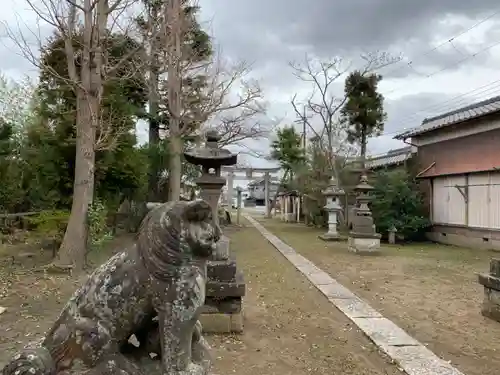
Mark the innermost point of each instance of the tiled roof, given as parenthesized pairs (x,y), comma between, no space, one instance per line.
(391,158)
(470,112)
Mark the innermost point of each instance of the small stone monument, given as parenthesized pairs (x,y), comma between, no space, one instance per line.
(332,195)
(363,238)
(392,235)
(491,284)
(225,286)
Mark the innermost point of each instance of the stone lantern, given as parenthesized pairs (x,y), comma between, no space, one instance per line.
(332,194)
(225,286)
(211,158)
(363,237)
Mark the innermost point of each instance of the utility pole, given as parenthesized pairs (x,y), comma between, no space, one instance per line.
(304,128)
(303,136)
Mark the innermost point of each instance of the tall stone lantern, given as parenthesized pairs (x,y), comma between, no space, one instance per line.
(225,285)
(363,238)
(211,158)
(332,194)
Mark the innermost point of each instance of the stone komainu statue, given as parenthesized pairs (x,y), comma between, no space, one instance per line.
(154,290)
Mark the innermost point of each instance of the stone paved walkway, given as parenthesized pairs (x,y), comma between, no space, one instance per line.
(412,356)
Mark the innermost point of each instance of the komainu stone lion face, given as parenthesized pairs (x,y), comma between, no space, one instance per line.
(174,234)
(198,228)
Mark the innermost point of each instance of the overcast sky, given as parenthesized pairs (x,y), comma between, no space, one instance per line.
(272,33)
(463,67)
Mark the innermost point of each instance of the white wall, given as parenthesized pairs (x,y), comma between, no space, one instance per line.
(484,200)
(482,208)
(448,204)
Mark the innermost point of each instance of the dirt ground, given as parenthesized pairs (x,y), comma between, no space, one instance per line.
(429,290)
(290,328)
(33,299)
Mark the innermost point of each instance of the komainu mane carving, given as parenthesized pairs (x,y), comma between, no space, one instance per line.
(154,290)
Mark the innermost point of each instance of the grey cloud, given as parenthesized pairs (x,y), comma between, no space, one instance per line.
(424,62)
(271,31)
(341,25)
(380,23)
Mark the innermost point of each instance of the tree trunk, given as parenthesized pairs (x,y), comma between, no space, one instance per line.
(154,141)
(73,248)
(363,148)
(175,168)
(154,126)
(173,14)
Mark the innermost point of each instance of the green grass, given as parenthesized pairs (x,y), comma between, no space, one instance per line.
(308,236)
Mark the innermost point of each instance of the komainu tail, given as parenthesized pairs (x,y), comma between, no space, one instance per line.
(36,361)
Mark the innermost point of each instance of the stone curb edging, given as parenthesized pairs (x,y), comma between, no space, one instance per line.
(412,356)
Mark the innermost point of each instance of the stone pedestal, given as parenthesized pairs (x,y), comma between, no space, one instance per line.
(330,237)
(491,284)
(222,249)
(362,238)
(225,289)
(364,244)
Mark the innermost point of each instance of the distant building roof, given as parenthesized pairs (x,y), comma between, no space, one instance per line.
(261,181)
(392,157)
(469,112)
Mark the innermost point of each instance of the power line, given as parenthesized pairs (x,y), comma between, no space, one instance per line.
(438,107)
(454,103)
(462,97)
(450,40)
(468,57)
(492,89)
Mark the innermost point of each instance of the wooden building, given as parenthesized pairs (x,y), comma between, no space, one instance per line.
(458,155)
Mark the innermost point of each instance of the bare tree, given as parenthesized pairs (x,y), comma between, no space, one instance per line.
(84,26)
(192,89)
(175,30)
(166,26)
(219,95)
(233,104)
(319,111)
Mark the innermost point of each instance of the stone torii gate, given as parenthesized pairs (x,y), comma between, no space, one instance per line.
(249,175)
